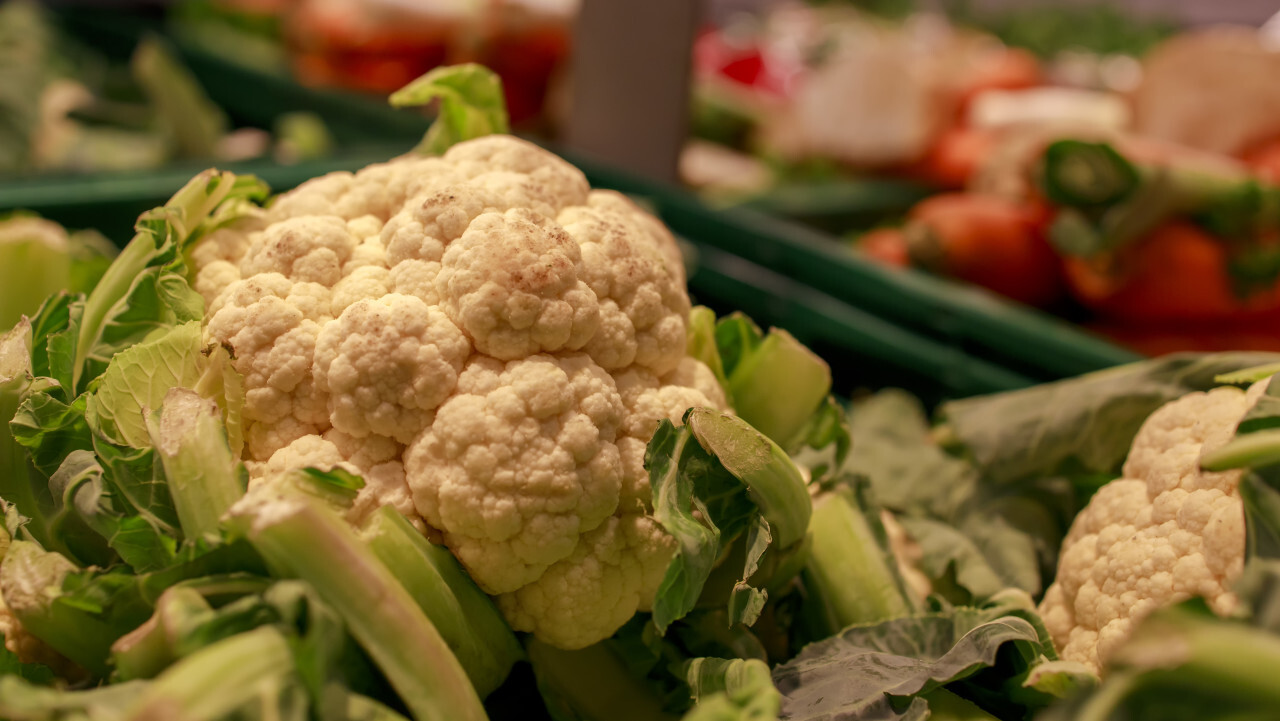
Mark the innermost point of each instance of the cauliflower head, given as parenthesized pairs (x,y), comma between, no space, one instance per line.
(1164,532)
(490,344)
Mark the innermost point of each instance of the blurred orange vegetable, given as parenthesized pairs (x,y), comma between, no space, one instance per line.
(1264,160)
(1012,69)
(1176,273)
(987,240)
(955,156)
(887,246)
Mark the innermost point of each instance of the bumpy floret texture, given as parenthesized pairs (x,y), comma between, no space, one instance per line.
(641,293)
(375,459)
(614,570)
(271,324)
(386,364)
(490,344)
(1166,531)
(519,463)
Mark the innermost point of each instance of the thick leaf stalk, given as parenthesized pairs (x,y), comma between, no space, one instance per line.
(467,618)
(251,670)
(850,570)
(714,480)
(777,386)
(202,474)
(592,683)
(301,538)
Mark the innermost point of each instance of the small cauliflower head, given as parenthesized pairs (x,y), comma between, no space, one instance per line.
(511,282)
(1164,532)
(490,344)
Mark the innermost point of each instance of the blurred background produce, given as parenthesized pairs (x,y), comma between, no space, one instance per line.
(65,107)
(916,134)
(1118,170)
(850,118)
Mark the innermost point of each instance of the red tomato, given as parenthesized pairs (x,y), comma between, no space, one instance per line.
(989,241)
(1177,273)
(955,156)
(885,245)
(1265,161)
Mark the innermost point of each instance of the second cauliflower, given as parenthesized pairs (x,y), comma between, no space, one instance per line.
(1164,532)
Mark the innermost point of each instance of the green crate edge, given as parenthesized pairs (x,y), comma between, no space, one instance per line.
(1036,345)
(1040,345)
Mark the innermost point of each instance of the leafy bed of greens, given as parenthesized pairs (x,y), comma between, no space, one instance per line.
(137,585)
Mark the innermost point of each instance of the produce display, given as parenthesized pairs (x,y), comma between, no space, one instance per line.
(376,46)
(64,108)
(446,438)
(1120,179)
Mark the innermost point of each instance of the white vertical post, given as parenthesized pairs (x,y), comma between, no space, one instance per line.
(630,83)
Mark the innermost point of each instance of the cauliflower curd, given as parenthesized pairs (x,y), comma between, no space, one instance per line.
(1164,532)
(490,344)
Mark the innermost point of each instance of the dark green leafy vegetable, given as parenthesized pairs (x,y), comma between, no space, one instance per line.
(715,478)
(1079,425)
(879,670)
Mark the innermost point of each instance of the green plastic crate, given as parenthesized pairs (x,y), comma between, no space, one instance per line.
(251,97)
(864,351)
(840,206)
(941,340)
(973,320)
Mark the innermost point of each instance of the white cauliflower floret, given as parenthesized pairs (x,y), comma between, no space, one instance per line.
(1164,532)
(416,278)
(304,452)
(385,485)
(213,279)
(386,364)
(511,283)
(216,259)
(643,301)
(537,179)
(430,222)
(366,451)
(648,400)
(379,190)
(615,202)
(614,571)
(271,325)
(311,249)
(369,250)
(693,373)
(376,460)
(369,281)
(518,464)
(415,237)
